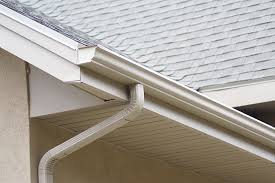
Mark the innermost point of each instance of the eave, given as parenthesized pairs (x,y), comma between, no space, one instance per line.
(105,73)
(123,69)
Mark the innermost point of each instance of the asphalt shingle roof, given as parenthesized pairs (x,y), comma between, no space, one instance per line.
(29,12)
(195,42)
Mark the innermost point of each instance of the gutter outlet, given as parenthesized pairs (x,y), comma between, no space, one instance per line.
(50,158)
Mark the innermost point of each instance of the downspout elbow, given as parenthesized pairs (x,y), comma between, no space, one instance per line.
(136,101)
(50,158)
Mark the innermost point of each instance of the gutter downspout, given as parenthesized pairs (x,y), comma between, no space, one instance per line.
(50,158)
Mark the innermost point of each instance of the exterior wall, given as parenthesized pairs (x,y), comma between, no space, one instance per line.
(14,121)
(102,163)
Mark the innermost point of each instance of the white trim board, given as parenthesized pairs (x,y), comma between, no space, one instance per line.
(40,57)
(39,28)
(243,94)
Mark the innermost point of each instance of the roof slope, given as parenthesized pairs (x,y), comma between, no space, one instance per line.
(196,42)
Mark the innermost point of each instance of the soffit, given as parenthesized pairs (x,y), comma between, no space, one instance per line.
(157,137)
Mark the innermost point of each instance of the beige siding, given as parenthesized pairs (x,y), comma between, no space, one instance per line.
(14,121)
(103,163)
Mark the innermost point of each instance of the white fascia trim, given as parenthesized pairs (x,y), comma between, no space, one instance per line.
(179,95)
(236,95)
(39,34)
(37,55)
(52,53)
(237,84)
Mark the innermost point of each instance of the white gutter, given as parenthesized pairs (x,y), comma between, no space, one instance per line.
(49,160)
(104,60)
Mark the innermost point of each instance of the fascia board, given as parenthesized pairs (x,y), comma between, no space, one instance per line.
(240,94)
(36,55)
(39,34)
(53,53)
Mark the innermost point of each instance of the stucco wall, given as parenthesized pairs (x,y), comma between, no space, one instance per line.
(14,121)
(103,163)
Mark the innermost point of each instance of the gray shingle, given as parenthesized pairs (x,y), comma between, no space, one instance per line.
(198,43)
(51,23)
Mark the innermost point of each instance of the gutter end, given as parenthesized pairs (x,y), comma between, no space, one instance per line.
(85,54)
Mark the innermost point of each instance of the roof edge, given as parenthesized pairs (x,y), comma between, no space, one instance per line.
(48,22)
(237,84)
(161,87)
(181,96)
